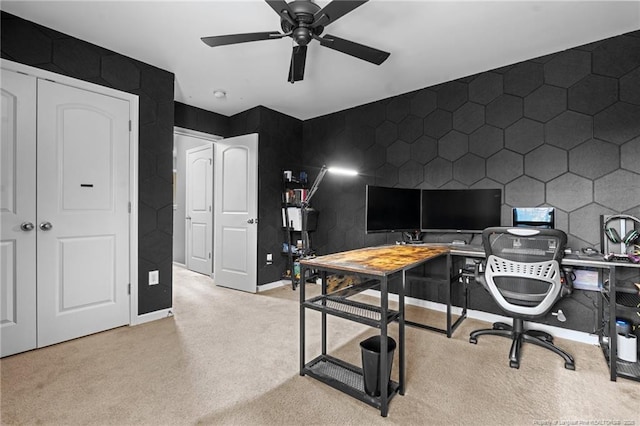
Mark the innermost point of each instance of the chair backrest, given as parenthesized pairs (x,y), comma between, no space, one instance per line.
(523,268)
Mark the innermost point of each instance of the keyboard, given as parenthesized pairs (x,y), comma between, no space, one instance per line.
(525,251)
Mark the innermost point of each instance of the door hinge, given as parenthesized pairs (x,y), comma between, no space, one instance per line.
(130,125)
(129,288)
(209,255)
(209,208)
(210,161)
(129,207)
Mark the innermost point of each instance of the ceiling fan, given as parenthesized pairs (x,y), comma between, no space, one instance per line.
(303,21)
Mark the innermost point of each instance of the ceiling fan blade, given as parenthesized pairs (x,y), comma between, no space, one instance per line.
(334,11)
(282,9)
(298,59)
(357,50)
(240,38)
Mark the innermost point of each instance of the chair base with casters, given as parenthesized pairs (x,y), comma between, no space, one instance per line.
(519,335)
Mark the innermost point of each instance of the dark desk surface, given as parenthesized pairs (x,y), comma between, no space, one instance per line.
(381,261)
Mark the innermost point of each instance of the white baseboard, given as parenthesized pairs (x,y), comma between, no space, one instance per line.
(563,333)
(152,316)
(279,283)
(272,285)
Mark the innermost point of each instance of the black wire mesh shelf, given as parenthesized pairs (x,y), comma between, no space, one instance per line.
(351,310)
(627,304)
(346,378)
(628,370)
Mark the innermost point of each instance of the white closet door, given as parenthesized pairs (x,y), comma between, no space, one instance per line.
(83,219)
(17,211)
(199,200)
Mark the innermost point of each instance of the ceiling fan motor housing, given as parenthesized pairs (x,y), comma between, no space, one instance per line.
(303,30)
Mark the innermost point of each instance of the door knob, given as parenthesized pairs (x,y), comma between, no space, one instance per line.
(252,221)
(46,226)
(27,226)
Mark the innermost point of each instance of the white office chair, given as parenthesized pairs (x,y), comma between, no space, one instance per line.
(522,273)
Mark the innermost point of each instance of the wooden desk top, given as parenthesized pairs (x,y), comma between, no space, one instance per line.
(381,261)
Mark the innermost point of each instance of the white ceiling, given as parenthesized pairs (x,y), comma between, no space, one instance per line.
(430,42)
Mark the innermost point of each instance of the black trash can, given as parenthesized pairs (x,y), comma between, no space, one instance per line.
(371,349)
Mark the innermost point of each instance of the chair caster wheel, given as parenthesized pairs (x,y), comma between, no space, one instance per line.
(473,340)
(514,364)
(570,365)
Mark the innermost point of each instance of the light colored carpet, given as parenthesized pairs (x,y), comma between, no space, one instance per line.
(231,358)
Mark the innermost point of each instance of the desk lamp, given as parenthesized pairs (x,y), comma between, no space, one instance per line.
(312,191)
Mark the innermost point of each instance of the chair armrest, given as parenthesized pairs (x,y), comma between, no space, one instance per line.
(479,273)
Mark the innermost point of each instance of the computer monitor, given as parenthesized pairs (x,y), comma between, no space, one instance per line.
(392,209)
(535,217)
(460,210)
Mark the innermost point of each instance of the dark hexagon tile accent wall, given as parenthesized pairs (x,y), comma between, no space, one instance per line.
(424,102)
(630,87)
(438,172)
(567,68)
(523,78)
(569,192)
(468,117)
(585,222)
(398,108)
(630,155)
(617,56)
(398,153)
(618,124)
(524,191)
(410,128)
(545,163)
(504,111)
(24,42)
(386,133)
(524,135)
(411,174)
(438,123)
(485,88)
(547,130)
(569,129)
(76,57)
(387,175)
(424,149)
(594,158)
(486,141)
(545,103)
(504,166)
(593,94)
(618,190)
(453,145)
(452,95)
(118,70)
(375,156)
(469,169)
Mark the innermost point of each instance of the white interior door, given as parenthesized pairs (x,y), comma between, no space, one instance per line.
(236,213)
(199,215)
(18,214)
(83,202)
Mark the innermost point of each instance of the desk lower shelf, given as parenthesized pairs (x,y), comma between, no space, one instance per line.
(346,378)
(351,310)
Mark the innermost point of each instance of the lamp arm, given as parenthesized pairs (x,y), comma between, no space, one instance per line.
(314,186)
